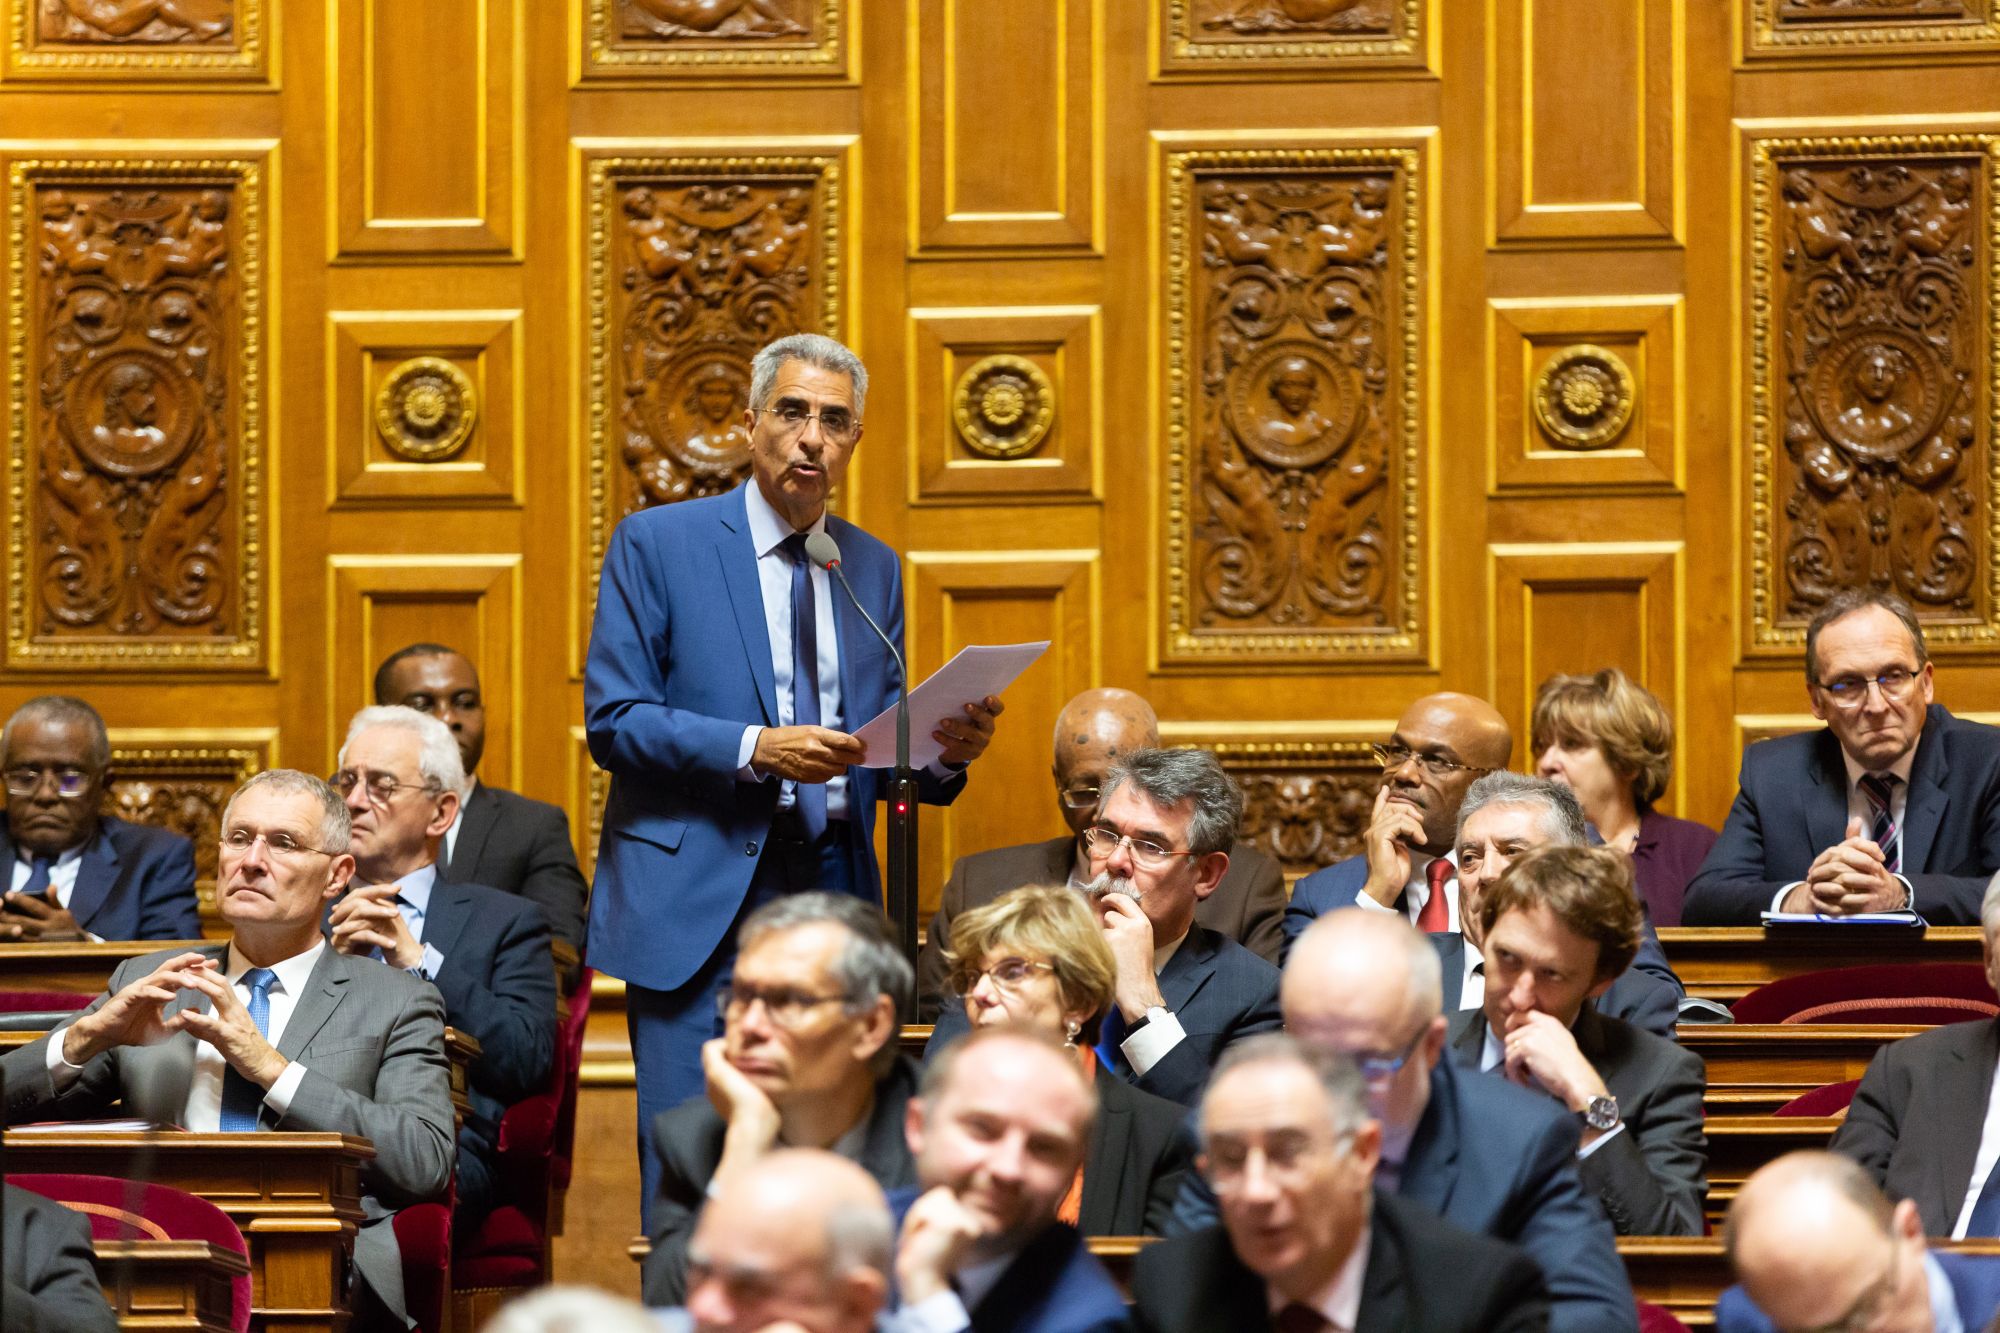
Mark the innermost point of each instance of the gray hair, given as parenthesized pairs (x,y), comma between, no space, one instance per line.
(1844,604)
(859,1236)
(573,1310)
(1989,908)
(871,966)
(1562,815)
(1346,1092)
(1169,777)
(61,709)
(438,759)
(815,349)
(335,824)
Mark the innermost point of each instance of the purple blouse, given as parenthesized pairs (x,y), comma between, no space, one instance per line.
(1665,856)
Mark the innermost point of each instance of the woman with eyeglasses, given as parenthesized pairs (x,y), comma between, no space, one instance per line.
(1035,957)
(1611,742)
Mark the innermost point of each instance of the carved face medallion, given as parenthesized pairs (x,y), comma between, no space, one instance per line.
(130,415)
(1877,392)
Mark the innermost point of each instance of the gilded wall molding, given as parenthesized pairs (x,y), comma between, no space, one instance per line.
(674,40)
(1317,37)
(1874,369)
(1835,29)
(136,458)
(177,41)
(1294,405)
(1307,799)
(180,780)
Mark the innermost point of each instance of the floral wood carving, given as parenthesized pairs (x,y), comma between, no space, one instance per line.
(696,263)
(174,41)
(1305,803)
(1293,405)
(1875,318)
(1305,35)
(135,460)
(152,22)
(182,788)
(714,38)
(1824,27)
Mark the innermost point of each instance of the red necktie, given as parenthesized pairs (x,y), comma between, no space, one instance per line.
(1435,916)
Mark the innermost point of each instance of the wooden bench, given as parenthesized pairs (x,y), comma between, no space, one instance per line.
(155,1286)
(1724,963)
(1757,1067)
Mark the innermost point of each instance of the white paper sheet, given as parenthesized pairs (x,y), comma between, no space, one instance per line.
(1853,919)
(973,673)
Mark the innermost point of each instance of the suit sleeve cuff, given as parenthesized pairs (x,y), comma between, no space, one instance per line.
(1153,1042)
(1600,1141)
(942,1313)
(1778,902)
(61,1072)
(279,1098)
(944,772)
(430,964)
(745,748)
(1368,904)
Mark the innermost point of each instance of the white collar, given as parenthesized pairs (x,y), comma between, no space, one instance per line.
(769,528)
(1901,768)
(1340,1299)
(292,972)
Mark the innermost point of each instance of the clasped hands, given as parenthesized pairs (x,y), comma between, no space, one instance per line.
(367,918)
(1850,876)
(30,916)
(136,1016)
(820,754)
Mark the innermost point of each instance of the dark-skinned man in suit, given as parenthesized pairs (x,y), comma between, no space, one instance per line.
(486,951)
(1093,731)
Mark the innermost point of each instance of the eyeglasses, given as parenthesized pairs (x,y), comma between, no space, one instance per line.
(239,841)
(1381,1066)
(1080,798)
(785,1006)
(1009,974)
(382,788)
(26,780)
(1286,1152)
(1100,840)
(1393,756)
(1852,691)
(835,424)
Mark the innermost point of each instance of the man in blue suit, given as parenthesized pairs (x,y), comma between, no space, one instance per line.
(723,666)
(67,871)
(1894,805)
(1816,1245)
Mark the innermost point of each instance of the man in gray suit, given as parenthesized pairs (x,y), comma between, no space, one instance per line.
(1095,730)
(50,1272)
(273,1030)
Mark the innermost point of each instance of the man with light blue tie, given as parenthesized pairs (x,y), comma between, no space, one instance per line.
(485,950)
(724,670)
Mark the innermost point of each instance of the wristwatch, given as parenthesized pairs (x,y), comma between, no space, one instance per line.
(1601,1114)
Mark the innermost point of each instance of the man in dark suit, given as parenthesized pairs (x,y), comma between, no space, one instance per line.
(487,952)
(1095,730)
(51,1275)
(1290,1149)
(1816,1245)
(271,1030)
(730,787)
(67,871)
(500,839)
(1894,806)
(1557,928)
(1159,846)
(998,1131)
(807,1059)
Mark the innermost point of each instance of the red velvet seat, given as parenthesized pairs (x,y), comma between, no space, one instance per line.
(1925,993)
(1653,1319)
(134,1210)
(1832,1099)
(423,1235)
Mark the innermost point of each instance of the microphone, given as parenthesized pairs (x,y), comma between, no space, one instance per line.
(824,551)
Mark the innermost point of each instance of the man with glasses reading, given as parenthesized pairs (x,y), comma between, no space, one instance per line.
(1160,844)
(724,674)
(1893,806)
(1094,731)
(807,1059)
(270,1030)
(69,872)
(1441,744)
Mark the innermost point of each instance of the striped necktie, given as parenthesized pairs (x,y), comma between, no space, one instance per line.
(1879,788)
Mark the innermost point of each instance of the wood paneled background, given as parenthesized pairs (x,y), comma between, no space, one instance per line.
(1283,359)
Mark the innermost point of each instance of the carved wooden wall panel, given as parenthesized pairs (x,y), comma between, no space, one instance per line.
(1007,403)
(1875,360)
(714,39)
(1586,393)
(177,41)
(1294,404)
(695,262)
(405,427)
(427,120)
(1036,185)
(1306,38)
(136,479)
(1851,29)
(379,603)
(1308,788)
(180,780)
(956,598)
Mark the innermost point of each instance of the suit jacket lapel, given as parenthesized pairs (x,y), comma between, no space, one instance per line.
(96,872)
(6,859)
(1383,1299)
(482,811)
(1061,860)
(317,1001)
(1451,962)
(1826,799)
(446,918)
(736,561)
(1965,1082)
(1431,1166)
(1923,812)
(1468,1036)
(1104,1170)
(1188,970)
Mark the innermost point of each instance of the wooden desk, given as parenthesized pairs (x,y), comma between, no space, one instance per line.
(296,1197)
(1726,962)
(1739,1144)
(80,967)
(1759,1066)
(161,1285)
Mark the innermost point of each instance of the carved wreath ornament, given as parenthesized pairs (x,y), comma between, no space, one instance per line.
(1003,406)
(1584,397)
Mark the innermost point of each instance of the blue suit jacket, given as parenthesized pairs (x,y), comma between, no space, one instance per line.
(1791,804)
(1218,989)
(1052,1286)
(1975,1282)
(135,882)
(680,663)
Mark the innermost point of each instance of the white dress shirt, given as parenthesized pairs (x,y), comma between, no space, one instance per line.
(1472,985)
(458,820)
(1982,1162)
(1858,807)
(62,875)
(1339,1302)
(203,1112)
(1417,890)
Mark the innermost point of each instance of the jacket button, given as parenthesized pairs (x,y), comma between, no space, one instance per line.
(749,849)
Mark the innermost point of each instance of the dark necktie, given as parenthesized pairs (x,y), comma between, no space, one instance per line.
(38,875)
(1880,788)
(1986,1213)
(241,1097)
(1296,1318)
(1435,915)
(810,797)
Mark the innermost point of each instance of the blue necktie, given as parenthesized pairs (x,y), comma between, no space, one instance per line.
(1109,1036)
(38,875)
(241,1097)
(1879,788)
(809,796)
(1986,1213)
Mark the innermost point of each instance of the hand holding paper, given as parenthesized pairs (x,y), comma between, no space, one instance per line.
(964,695)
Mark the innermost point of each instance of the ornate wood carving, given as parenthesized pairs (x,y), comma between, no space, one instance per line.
(1306,803)
(1293,404)
(1221,35)
(137,439)
(171,784)
(164,39)
(1876,317)
(714,38)
(1830,27)
(695,264)
(140,22)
